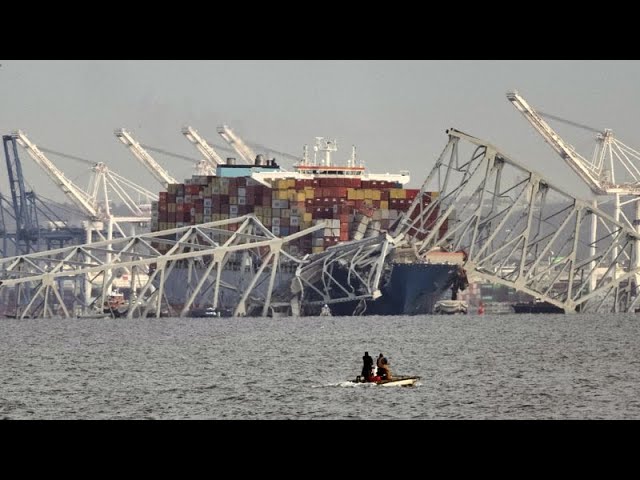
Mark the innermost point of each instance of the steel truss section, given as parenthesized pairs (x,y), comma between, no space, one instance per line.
(346,272)
(520,230)
(57,280)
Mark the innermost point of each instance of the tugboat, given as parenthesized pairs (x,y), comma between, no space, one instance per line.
(116,305)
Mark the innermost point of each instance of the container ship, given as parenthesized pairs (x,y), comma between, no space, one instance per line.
(351,202)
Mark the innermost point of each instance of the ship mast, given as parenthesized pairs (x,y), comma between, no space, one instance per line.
(326,146)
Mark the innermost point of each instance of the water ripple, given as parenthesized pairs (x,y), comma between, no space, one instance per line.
(502,367)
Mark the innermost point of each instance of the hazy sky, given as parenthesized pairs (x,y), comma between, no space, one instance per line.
(395,112)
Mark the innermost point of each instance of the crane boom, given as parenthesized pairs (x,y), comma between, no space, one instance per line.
(577,162)
(203,147)
(75,193)
(159,173)
(247,154)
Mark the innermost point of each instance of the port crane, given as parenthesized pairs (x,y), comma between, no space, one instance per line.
(245,152)
(95,203)
(159,173)
(24,204)
(30,211)
(4,235)
(210,155)
(613,170)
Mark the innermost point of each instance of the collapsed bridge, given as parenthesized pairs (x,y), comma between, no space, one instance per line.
(516,228)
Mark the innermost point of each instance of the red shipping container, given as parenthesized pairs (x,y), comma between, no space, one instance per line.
(412,193)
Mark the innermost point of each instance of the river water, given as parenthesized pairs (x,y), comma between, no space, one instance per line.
(471,367)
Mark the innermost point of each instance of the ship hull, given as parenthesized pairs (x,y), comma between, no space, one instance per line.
(412,289)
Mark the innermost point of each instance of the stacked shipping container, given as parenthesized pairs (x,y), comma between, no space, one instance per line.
(350,207)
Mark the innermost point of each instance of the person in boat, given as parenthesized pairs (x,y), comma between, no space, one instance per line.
(384,372)
(367,367)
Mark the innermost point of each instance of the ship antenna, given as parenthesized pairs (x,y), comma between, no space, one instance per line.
(316,148)
(305,154)
(352,160)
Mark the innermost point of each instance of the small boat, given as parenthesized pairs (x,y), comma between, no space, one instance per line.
(450,307)
(326,311)
(536,306)
(396,381)
(116,305)
(208,312)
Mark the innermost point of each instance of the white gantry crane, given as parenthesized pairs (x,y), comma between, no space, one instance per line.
(210,155)
(159,173)
(72,191)
(245,152)
(614,169)
(95,203)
